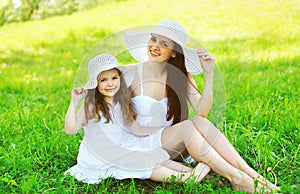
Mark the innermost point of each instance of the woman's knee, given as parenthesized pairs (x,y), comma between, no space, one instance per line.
(201,123)
(200,120)
(187,126)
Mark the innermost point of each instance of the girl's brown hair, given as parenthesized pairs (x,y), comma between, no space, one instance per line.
(94,103)
(176,87)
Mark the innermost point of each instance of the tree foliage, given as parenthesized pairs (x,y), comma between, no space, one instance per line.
(40,9)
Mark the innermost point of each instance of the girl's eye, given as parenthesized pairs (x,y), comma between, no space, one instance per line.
(116,77)
(102,80)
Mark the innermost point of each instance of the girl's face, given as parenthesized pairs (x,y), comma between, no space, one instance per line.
(160,48)
(109,84)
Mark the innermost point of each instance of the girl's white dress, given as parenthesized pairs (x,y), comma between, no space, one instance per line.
(109,150)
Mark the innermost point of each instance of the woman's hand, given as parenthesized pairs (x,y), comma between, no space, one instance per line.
(206,59)
(77,94)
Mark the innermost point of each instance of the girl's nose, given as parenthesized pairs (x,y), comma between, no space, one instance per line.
(110,83)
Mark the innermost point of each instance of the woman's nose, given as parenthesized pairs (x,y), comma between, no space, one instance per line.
(154,45)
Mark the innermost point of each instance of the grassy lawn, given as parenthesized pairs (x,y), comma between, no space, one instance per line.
(257,48)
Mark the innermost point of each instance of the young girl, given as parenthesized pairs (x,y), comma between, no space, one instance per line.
(113,141)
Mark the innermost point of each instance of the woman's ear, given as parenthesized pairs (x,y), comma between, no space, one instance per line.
(173,55)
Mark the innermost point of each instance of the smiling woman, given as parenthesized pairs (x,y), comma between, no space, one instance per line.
(166,74)
(161,48)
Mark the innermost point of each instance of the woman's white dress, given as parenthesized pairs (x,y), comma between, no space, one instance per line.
(152,112)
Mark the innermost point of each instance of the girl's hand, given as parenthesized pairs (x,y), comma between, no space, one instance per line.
(78,94)
(206,59)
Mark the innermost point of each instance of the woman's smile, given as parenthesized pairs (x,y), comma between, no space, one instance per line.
(154,53)
(160,48)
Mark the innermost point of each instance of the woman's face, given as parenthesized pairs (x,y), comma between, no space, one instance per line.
(109,84)
(160,48)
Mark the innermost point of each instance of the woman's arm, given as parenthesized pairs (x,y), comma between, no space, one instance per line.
(75,122)
(202,103)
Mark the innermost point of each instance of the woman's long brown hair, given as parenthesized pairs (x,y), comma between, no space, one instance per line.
(94,103)
(176,87)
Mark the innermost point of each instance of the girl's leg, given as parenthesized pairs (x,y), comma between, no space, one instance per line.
(177,166)
(225,149)
(200,171)
(166,170)
(185,134)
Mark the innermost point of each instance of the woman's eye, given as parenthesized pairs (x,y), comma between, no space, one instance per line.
(164,44)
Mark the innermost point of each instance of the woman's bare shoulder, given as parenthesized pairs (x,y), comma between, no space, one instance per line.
(132,66)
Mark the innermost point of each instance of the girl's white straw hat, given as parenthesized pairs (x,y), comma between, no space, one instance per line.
(102,63)
(137,42)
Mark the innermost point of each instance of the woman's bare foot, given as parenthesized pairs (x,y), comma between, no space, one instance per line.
(256,176)
(249,185)
(244,184)
(199,172)
(266,183)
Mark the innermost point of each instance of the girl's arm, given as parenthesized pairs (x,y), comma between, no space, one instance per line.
(202,103)
(75,122)
(137,130)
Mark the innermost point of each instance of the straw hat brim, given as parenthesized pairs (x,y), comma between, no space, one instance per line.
(127,74)
(137,43)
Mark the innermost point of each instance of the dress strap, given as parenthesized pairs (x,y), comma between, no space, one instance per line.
(140,73)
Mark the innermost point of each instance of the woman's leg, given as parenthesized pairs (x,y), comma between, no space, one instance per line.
(185,134)
(170,169)
(222,145)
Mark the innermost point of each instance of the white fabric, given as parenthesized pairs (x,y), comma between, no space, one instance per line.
(108,149)
(105,62)
(150,112)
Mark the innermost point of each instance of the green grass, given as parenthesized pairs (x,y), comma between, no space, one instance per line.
(256,45)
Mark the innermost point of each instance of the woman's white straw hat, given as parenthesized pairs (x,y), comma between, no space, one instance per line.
(137,42)
(102,63)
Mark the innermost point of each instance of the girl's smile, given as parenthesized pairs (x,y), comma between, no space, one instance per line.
(109,84)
